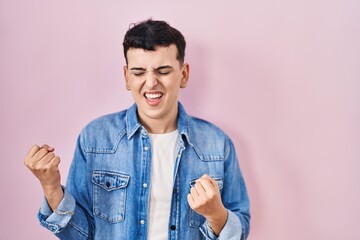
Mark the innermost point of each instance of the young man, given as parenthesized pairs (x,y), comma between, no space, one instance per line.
(149,172)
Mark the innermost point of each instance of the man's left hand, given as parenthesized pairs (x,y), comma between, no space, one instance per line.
(205,199)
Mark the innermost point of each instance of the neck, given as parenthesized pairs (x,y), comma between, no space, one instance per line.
(160,125)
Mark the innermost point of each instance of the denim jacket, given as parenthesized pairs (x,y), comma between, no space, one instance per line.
(107,192)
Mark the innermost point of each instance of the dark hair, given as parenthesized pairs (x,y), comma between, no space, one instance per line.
(150,34)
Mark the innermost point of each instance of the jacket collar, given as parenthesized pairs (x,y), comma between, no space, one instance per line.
(132,121)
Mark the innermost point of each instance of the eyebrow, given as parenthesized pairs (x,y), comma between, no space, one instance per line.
(138,68)
(159,68)
(164,67)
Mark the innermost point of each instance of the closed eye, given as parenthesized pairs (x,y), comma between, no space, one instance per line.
(138,73)
(163,72)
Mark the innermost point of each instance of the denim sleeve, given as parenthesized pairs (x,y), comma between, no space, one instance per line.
(235,199)
(72,219)
(57,220)
(231,231)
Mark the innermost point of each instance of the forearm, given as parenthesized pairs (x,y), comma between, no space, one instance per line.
(53,195)
(218,221)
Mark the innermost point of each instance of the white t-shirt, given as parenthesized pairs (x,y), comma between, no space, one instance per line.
(163,161)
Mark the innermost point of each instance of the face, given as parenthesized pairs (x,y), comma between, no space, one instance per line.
(154,79)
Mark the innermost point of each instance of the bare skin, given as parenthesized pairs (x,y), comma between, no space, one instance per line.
(205,199)
(44,164)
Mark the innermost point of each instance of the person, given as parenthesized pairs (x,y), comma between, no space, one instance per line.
(151,171)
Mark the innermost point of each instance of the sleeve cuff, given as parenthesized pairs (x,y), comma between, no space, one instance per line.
(231,230)
(56,220)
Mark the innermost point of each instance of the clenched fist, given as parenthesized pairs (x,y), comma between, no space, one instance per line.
(44,164)
(205,199)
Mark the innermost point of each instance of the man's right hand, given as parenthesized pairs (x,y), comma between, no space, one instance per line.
(43,163)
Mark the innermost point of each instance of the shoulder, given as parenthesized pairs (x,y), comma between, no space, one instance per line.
(107,122)
(208,140)
(200,127)
(103,133)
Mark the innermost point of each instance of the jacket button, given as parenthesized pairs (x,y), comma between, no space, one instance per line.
(173,227)
(107,184)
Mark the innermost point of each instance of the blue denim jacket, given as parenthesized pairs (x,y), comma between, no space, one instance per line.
(108,188)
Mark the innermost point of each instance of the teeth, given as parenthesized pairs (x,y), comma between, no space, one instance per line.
(153,95)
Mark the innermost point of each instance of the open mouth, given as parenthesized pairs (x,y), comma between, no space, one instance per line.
(153,98)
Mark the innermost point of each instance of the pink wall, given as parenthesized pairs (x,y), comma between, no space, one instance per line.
(281,77)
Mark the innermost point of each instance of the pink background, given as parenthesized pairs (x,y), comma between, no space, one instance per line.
(281,77)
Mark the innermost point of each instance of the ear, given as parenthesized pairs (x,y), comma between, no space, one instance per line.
(126,73)
(185,75)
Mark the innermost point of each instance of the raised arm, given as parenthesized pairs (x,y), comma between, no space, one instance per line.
(44,164)
(65,210)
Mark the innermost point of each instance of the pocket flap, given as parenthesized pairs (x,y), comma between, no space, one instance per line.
(110,180)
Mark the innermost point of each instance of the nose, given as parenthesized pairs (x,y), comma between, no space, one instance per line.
(151,80)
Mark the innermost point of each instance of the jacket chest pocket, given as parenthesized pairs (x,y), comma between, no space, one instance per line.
(109,195)
(195,219)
